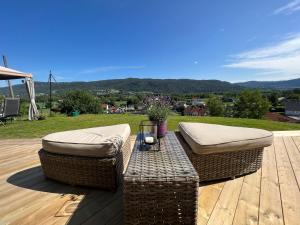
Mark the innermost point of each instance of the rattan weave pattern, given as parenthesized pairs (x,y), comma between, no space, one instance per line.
(215,166)
(104,173)
(160,187)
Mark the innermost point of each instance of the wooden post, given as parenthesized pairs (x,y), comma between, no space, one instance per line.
(11,92)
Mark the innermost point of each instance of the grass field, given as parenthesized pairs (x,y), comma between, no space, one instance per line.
(34,129)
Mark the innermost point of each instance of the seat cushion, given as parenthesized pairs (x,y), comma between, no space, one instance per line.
(209,138)
(93,142)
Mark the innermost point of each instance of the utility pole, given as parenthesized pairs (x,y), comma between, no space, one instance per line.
(50,90)
(11,92)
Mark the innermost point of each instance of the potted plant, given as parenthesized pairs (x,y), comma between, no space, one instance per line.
(158,114)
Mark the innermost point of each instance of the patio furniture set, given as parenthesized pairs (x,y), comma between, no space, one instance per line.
(159,187)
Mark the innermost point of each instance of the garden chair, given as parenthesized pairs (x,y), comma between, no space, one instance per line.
(11,108)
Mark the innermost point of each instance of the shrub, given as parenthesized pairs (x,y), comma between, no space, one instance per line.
(81,101)
(24,107)
(158,107)
(158,112)
(42,117)
(251,104)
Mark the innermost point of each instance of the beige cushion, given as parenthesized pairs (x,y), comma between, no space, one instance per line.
(92,142)
(209,138)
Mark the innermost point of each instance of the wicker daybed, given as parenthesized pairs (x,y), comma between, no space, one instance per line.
(93,157)
(219,152)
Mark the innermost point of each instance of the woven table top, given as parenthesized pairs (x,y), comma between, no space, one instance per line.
(170,163)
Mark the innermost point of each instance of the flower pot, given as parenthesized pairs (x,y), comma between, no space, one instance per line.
(162,129)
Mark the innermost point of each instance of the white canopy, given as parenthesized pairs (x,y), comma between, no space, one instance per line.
(8,74)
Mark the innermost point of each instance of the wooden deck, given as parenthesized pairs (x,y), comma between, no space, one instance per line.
(269,196)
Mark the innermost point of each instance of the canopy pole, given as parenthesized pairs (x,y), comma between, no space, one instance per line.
(33,112)
(11,91)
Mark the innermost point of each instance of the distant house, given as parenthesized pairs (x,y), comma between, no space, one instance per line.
(105,107)
(198,102)
(141,107)
(229,100)
(130,108)
(180,104)
(195,110)
(116,110)
(292,108)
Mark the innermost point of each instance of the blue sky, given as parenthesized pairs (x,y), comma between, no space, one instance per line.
(96,39)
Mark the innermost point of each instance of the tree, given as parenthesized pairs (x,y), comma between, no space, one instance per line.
(273,98)
(180,109)
(215,106)
(251,104)
(81,101)
(132,100)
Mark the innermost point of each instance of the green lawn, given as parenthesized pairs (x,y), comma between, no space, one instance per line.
(33,129)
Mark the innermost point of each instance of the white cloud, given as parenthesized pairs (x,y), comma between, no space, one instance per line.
(289,45)
(110,68)
(281,59)
(289,8)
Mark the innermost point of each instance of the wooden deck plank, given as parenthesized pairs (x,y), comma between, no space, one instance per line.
(7,172)
(208,197)
(224,210)
(38,212)
(294,157)
(270,211)
(296,140)
(13,156)
(248,204)
(265,197)
(92,205)
(105,215)
(27,201)
(290,195)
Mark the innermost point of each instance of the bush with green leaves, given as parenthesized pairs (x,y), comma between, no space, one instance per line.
(215,106)
(81,101)
(251,104)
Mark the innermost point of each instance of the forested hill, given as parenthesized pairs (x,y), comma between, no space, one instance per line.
(278,85)
(134,85)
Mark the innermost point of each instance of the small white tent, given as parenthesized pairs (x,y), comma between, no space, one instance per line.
(10,74)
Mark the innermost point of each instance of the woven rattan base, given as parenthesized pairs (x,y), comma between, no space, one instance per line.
(223,165)
(161,187)
(104,173)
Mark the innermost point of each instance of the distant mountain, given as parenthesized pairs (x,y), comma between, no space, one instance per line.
(134,85)
(180,86)
(278,85)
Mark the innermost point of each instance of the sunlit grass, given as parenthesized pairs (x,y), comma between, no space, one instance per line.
(34,129)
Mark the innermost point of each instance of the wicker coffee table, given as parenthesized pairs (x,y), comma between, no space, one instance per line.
(161,187)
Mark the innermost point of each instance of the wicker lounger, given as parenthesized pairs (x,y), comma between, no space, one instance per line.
(161,187)
(241,154)
(101,172)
